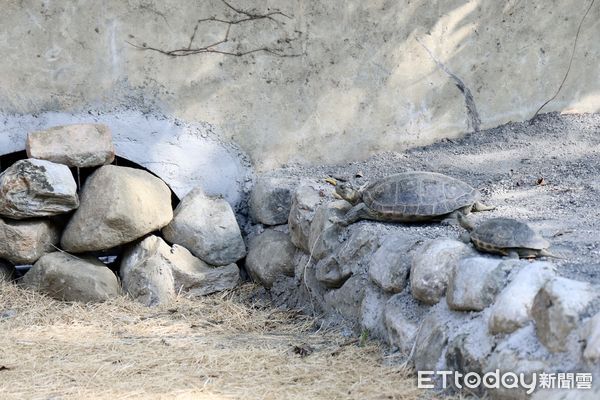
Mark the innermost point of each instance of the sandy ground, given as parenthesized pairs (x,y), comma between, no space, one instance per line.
(546,173)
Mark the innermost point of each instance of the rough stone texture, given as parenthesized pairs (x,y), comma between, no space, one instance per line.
(7,272)
(305,201)
(432,266)
(37,188)
(69,278)
(118,205)
(271,200)
(512,308)
(372,311)
(349,258)
(207,227)
(475,282)
(324,235)
(349,89)
(77,145)
(401,332)
(270,255)
(590,334)
(24,242)
(346,301)
(557,310)
(431,340)
(390,264)
(153,273)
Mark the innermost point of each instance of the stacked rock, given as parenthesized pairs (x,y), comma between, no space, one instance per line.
(118,211)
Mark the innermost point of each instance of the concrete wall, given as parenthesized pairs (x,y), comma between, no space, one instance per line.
(365,81)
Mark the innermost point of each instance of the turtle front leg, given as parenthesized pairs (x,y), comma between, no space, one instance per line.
(479,206)
(358,212)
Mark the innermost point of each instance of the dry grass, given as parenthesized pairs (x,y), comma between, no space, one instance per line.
(219,347)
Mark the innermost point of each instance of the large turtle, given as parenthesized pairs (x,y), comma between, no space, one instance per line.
(506,236)
(410,197)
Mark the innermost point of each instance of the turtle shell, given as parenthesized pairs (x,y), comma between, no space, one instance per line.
(503,233)
(418,194)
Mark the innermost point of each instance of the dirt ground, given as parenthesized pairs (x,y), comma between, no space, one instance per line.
(546,173)
(219,347)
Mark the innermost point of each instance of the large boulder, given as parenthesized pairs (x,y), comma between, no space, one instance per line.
(24,242)
(475,282)
(558,309)
(390,265)
(118,205)
(77,145)
(270,255)
(207,227)
(512,307)
(271,200)
(347,300)
(401,332)
(432,267)
(69,278)
(324,236)
(152,272)
(372,311)
(305,201)
(37,188)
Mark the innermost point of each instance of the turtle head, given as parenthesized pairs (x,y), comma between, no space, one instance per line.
(348,192)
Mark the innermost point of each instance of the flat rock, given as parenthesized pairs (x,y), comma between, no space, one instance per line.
(475,282)
(24,242)
(37,188)
(271,200)
(118,205)
(207,227)
(69,278)
(557,310)
(512,308)
(432,266)
(324,235)
(305,200)
(77,145)
(401,332)
(270,255)
(390,265)
(153,273)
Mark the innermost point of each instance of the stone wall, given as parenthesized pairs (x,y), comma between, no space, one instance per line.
(369,76)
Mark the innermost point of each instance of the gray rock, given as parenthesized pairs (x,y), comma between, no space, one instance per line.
(37,188)
(390,264)
(69,278)
(346,301)
(310,291)
(154,273)
(432,339)
(7,272)
(401,332)
(270,255)
(350,258)
(324,235)
(207,227)
(590,335)
(77,145)
(512,308)
(372,311)
(24,242)
(475,282)
(557,310)
(271,200)
(432,266)
(118,205)
(305,201)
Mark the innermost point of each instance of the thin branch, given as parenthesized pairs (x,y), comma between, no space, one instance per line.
(570,62)
(212,48)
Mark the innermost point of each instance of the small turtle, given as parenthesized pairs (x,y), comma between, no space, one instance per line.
(507,237)
(410,197)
